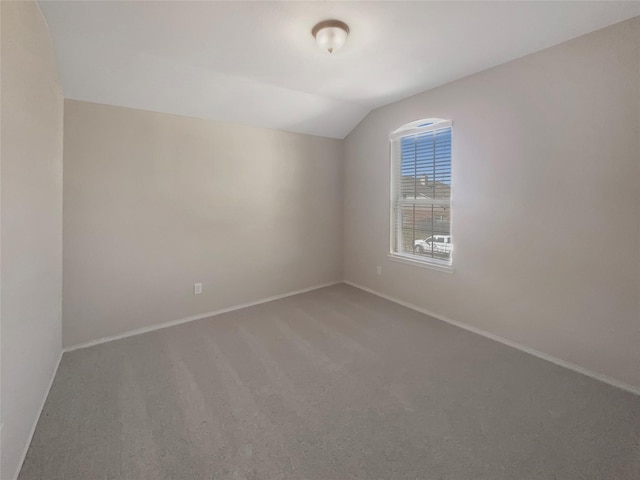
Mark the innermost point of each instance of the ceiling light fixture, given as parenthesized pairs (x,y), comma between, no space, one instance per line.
(330,34)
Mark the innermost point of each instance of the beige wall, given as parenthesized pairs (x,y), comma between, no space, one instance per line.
(546,215)
(154,203)
(30,224)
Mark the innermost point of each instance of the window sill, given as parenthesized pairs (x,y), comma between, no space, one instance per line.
(419,262)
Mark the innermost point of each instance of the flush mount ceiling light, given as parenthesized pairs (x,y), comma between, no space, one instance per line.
(330,34)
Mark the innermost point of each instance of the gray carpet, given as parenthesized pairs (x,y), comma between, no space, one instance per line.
(331,384)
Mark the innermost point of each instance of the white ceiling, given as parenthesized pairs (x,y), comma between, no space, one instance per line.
(256,63)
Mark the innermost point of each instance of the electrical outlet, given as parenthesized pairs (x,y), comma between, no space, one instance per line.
(197,288)
(379,270)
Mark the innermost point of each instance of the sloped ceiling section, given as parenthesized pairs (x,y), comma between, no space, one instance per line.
(256,63)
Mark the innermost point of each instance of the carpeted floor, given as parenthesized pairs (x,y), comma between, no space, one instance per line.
(331,384)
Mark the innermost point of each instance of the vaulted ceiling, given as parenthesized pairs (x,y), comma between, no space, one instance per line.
(256,63)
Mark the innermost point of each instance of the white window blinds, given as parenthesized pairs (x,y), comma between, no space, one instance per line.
(421,191)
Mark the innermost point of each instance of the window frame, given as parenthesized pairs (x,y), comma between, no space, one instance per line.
(410,129)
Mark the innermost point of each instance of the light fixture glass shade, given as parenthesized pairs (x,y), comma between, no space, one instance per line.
(330,34)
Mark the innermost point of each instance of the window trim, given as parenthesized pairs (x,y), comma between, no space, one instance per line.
(416,261)
(413,128)
(420,127)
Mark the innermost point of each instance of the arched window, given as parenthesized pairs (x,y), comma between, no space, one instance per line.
(421,192)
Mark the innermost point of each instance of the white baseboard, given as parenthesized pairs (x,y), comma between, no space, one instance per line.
(192,318)
(35,421)
(484,333)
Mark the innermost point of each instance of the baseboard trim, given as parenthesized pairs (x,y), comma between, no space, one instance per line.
(536,353)
(35,421)
(192,318)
